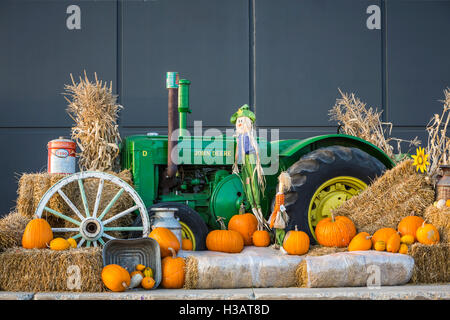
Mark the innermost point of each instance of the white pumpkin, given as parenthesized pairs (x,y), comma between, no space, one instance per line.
(135,280)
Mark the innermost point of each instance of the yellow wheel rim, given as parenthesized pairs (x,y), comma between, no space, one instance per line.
(330,195)
(187,233)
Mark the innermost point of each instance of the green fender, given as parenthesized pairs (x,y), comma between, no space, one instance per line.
(291,150)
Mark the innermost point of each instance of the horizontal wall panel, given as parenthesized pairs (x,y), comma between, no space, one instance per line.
(418,64)
(25,152)
(206,41)
(39,53)
(305,51)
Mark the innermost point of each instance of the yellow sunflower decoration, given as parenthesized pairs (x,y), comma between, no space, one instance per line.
(421,160)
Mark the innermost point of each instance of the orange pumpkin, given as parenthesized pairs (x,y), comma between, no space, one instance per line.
(148,283)
(37,234)
(408,225)
(261,238)
(244,223)
(296,242)
(393,243)
(166,239)
(360,242)
(186,244)
(383,234)
(427,234)
(172,271)
(116,278)
(337,232)
(224,240)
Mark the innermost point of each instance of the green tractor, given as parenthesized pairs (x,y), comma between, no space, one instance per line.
(194,173)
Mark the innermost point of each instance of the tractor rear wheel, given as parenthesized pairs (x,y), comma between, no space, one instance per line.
(322,180)
(192,225)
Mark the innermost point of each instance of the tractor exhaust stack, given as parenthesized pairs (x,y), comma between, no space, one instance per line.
(172,87)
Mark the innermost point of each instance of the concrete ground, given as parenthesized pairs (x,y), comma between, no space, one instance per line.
(407,292)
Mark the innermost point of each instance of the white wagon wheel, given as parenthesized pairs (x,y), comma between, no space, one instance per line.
(92,228)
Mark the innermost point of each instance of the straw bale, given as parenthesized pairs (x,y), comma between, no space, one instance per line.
(254,267)
(25,193)
(440,218)
(431,263)
(318,250)
(400,192)
(12,227)
(41,270)
(354,269)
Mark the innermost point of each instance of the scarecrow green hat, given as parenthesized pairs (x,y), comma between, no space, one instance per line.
(243,111)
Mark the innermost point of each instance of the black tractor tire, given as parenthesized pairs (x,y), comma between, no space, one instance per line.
(319,166)
(187,215)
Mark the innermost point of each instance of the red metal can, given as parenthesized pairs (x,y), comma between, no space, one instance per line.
(61,156)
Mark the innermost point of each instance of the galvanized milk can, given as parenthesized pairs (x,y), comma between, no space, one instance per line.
(165,218)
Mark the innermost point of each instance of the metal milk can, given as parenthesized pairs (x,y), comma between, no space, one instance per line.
(443,185)
(165,218)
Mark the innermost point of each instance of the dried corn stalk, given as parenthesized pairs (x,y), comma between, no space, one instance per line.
(93,107)
(438,147)
(355,119)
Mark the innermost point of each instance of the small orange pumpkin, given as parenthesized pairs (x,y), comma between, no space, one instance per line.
(296,242)
(427,234)
(244,223)
(166,239)
(408,225)
(172,271)
(116,278)
(37,234)
(148,283)
(335,231)
(186,244)
(393,243)
(261,238)
(360,242)
(403,249)
(383,234)
(224,240)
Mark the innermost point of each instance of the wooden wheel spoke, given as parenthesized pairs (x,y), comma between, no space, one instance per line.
(121,214)
(81,242)
(111,203)
(60,215)
(83,197)
(70,204)
(124,228)
(97,198)
(65,229)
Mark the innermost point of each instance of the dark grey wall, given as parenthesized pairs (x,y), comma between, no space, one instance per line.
(287,58)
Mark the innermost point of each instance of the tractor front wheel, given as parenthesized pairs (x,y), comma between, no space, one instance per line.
(322,180)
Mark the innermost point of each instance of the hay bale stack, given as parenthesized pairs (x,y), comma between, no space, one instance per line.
(352,269)
(12,227)
(318,250)
(25,192)
(440,218)
(431,263)
(33,186)
(400,192)
(40,270)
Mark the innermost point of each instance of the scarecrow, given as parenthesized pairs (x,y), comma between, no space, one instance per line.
(247,155)
(279,218)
